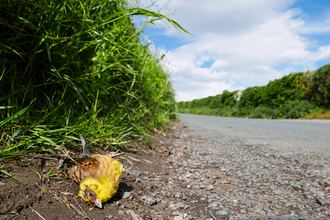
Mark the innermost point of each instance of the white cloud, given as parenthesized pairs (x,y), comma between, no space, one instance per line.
(245,39)
(202,90)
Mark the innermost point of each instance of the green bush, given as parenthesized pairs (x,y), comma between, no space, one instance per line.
(228,98)
(290,109)
(198,103)
(216,102)
(251,97)
(274,94)
(295,109)
(321,86)
(304,82)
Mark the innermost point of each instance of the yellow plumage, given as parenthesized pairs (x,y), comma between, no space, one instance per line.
(106,179)
(98,177)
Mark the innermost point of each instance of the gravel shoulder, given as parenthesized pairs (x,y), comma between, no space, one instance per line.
(193,173)
(252,181)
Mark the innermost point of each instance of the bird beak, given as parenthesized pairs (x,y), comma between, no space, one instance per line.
(98,203)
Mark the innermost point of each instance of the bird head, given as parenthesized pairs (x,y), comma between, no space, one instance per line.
(89,192)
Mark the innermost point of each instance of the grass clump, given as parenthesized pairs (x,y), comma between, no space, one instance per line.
(70,67)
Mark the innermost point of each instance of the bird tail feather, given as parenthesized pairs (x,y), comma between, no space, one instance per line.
(85,148)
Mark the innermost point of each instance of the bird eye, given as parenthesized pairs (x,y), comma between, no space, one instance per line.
(92,195)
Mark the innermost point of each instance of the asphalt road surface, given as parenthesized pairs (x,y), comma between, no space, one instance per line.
(288,136)
(270,169)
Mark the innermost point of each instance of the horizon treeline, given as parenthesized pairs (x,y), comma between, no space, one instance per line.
(291,96)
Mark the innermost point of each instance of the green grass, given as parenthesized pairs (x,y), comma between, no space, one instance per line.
(70,67)
(288,110)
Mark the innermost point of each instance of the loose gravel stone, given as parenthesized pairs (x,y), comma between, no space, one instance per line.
(126,195)
(180,205)
(221,212)
(135,173)
(149,200)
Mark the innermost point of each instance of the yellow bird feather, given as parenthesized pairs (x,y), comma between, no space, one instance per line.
(98,176)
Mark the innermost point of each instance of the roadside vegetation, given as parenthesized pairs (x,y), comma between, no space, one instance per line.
(70,67)
(298,95)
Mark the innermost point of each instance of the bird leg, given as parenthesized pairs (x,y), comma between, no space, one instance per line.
(115,154)
(125,169)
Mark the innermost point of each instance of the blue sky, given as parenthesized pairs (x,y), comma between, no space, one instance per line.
(241,43)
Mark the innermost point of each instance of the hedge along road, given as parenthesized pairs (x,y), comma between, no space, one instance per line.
(288,136)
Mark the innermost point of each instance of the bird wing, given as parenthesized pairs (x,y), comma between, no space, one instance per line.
(84,168)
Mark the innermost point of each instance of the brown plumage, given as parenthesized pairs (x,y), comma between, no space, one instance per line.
(85,167)
(98,176)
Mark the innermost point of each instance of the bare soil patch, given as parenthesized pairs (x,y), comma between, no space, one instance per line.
(56,198)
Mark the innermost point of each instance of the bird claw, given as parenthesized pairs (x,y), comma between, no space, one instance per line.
(115,154)
(125,169)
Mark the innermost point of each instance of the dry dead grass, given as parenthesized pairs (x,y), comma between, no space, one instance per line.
(321,114)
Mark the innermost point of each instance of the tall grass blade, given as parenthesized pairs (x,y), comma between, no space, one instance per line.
(8,174)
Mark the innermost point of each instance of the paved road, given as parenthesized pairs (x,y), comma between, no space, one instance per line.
(268,168)
(289,136)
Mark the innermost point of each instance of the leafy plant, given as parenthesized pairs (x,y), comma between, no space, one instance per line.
(34,170)
(53,174)
(321,86)
(70,67)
